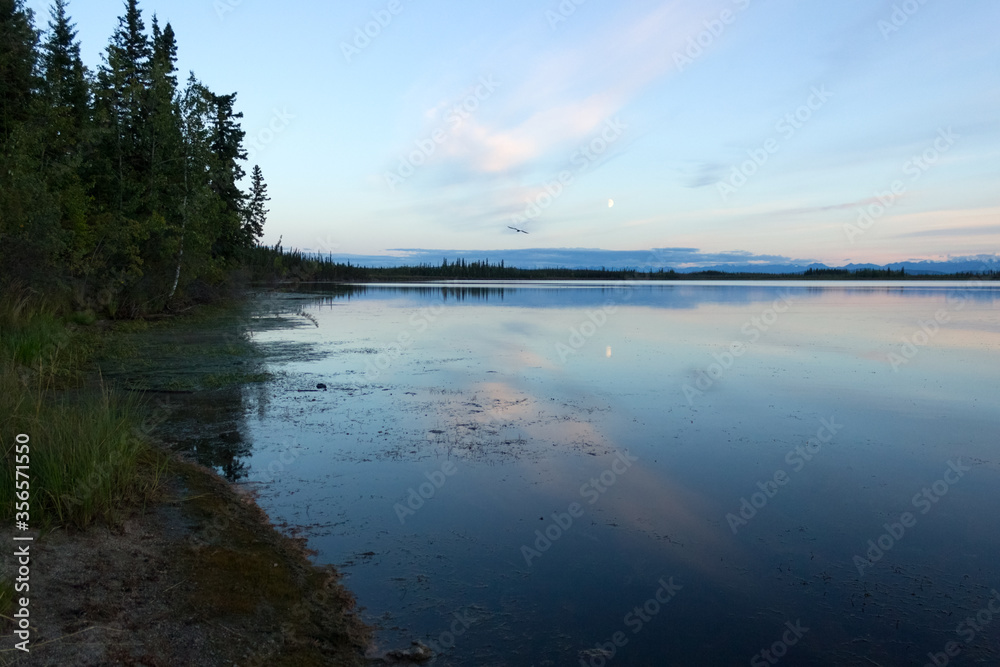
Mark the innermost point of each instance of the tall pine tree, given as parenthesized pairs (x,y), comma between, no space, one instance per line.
(65,76)
(123,80)
(161,141)
(162,136)
(66,94)
(256,214)
(18,62)
(30,237)
(226,172)
(122,168)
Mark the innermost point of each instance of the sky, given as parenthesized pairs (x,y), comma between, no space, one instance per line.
(838,132)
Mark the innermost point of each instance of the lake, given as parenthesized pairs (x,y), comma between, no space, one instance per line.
(638,473)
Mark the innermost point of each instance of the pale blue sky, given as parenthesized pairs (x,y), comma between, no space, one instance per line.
(680,121)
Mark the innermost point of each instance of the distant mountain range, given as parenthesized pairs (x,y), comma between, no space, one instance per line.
(924,267)
(682,260)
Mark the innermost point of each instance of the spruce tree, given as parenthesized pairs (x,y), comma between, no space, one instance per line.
(66,94)
(66,85)
(121,166)
(256,213)
(226,172)
(161,140)
(18,62)
(30,237)
(124,79)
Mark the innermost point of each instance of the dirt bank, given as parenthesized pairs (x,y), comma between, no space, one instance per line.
(199,578)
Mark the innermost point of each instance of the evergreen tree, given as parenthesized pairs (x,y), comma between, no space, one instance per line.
(256,214)
(162,136)
(30,238)
(123,81)
(121,166)
(163,192)
(66,94)
(226,172)
(66,85)
(18,63)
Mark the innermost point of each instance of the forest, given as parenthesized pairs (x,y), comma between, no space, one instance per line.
(276,266)
(120,189)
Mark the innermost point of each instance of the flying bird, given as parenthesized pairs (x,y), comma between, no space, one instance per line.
(516,229)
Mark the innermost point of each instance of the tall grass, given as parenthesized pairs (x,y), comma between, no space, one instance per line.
(89,459)
(29,331)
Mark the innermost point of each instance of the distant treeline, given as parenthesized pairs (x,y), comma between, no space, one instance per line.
(277,264)
(118,188)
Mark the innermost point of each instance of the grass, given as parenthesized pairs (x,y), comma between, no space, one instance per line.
(28,331)
(89,459)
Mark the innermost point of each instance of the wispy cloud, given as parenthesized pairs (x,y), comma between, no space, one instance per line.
(988,230)
(571,91)
(708,173)
(829,207)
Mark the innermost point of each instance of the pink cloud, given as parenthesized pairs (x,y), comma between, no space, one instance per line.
(577,90)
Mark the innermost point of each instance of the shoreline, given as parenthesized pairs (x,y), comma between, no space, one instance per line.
(628,277)
(194,572)
(200,576)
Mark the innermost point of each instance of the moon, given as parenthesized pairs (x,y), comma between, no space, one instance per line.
(611,202)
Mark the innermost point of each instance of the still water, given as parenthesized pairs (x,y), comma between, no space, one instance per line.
(643,474)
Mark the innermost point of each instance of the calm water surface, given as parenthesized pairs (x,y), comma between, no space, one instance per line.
(653,474)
